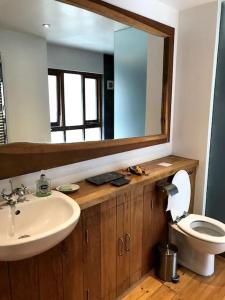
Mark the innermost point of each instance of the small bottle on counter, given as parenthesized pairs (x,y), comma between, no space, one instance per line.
(43,187)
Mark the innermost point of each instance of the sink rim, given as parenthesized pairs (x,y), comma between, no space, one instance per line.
(15,241)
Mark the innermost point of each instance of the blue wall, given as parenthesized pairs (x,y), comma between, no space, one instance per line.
(215,203)
(130,62)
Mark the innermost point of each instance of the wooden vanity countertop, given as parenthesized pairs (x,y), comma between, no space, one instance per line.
(90,195)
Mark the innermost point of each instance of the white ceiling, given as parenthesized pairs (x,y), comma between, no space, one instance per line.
(185,4)
(70,26)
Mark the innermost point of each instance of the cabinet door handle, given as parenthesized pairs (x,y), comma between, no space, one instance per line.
(127,242)
(152,205)
(120,246)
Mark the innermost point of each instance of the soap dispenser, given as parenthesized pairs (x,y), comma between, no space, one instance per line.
(43,186)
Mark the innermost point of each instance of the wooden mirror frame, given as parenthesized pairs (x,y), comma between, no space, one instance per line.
(23,158)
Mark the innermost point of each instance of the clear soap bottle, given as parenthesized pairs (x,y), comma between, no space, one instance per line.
(43,186)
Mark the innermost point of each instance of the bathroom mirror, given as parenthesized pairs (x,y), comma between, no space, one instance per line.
(71,77)
(3,138)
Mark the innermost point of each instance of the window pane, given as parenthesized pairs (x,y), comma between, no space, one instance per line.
(52,91)
(73,99)
(74,136)
(57,137)
(91,99)
(93,134)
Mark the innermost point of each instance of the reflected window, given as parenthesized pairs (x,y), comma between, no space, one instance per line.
(75,106)
(57,137)
(53,99)
(93,134)
(91,99)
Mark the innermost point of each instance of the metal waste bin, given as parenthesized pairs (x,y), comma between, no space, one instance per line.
(167,262)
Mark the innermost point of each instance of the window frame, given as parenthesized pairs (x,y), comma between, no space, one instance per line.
(60,125)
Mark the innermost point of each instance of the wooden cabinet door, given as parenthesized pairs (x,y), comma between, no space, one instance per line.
(155,225)
(92,253)
(50,274)
(123,242)
(136,233)
(108,249)
(4,282)
(72,264)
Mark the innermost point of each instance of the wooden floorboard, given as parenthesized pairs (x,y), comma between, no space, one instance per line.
(190,287)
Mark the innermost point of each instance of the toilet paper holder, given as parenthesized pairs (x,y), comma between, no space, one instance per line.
(168,188)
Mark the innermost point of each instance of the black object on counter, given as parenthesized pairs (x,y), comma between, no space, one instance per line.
(104,178)
(120,182)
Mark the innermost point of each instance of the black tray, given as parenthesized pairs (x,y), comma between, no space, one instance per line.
(104,178)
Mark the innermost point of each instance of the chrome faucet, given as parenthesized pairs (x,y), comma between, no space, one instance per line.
(16,195)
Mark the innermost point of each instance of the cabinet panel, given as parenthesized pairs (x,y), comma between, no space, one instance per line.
(149,195)
(4,282)
(108,249)
(136,234)
(123,242)
(51,274)
(92,253)
(72,260)
(154,225)
(24,282)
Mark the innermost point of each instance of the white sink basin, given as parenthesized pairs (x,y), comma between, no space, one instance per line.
(41,224)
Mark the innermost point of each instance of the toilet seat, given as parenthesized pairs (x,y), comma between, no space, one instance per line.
(206,224)
(178,204)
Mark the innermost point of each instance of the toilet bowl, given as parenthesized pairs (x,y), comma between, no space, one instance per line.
(197,237)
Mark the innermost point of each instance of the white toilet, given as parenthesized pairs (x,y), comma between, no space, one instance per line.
(198,238)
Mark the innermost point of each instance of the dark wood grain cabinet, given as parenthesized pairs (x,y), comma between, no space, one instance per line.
(111,248)
(154,225)
(132,224)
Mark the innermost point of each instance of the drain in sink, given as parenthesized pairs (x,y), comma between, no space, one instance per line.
(24,236)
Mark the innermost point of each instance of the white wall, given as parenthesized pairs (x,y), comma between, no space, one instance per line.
(72,59)
(76,172)
(194,80)
(24,59)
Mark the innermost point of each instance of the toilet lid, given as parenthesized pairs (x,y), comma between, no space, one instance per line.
(179,203)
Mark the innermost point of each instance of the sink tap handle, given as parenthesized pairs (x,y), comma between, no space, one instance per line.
(25,189)
(5,196)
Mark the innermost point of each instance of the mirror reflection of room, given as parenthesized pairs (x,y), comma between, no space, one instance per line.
(3,137)
(77,76)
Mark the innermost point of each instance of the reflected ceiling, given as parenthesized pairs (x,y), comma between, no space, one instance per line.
(70,26)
